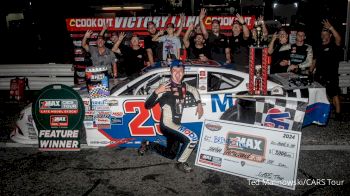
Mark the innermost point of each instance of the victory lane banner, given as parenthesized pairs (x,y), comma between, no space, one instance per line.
(266,155)
(140,23)
(58,113)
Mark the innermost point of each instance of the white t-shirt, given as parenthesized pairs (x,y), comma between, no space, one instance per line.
(170,45)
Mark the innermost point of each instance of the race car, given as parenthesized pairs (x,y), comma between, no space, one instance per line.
(122,119)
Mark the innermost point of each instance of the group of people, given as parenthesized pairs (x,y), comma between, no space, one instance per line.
(321,62)
(203,45)
(159,45)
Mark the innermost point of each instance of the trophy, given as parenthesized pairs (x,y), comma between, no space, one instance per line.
(259,34)
(257,73)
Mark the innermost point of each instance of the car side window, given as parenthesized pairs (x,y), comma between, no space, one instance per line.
(222,81)
(153,83)
(148,87)
(131,89)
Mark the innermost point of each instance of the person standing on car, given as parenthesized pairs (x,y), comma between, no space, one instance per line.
(135,56)
(218,43)
(172,99)
(171,42)
(238,44)
(196,49)
(100,55)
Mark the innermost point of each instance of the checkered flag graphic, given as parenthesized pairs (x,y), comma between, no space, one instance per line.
(280,112)
(99,91)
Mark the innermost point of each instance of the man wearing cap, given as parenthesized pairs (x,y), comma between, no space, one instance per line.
(171,97)
(100,55)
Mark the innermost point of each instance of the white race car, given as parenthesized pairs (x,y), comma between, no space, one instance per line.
(121,118)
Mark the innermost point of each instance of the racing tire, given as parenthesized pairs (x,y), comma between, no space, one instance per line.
(230,114)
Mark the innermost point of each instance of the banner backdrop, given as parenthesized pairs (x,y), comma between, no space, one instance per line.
(266,155)
(140,23)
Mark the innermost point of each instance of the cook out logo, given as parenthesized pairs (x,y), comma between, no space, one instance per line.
(277,119)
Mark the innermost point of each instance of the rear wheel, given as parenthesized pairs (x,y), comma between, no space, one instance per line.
(243,111)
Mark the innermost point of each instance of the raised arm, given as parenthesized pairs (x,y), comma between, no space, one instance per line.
(104,29)
(186,38)
(117,44)
(244,26)
(337,37)
(272,43)
(86,36)
(201,23)
(182,22)
(153,99)
(158,35)
(264,29)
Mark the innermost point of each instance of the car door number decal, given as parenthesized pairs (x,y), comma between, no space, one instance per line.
(136,124)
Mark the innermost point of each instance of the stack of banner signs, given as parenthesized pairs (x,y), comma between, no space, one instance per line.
(265,151)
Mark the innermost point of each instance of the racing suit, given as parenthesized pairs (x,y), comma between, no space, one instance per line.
(172,104)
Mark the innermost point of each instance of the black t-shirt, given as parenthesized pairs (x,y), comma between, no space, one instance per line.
(156,47)
(298,54)
(218,44)
(133,59)
(280,53)
(193,52)
(239,51)
(327,60)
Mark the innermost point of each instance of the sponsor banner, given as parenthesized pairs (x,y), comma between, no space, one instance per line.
(140,23)
(250,151)
(58,114)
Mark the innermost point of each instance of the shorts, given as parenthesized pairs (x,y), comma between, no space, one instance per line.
(331,85)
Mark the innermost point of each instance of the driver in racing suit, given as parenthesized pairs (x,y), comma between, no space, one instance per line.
(171,97)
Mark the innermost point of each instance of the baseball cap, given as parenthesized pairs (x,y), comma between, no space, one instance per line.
(176,63)
(170,25)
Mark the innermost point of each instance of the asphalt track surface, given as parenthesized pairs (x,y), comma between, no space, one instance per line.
(324,158)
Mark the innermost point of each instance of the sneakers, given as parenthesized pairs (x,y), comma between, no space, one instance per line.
(184,167)
(143,148)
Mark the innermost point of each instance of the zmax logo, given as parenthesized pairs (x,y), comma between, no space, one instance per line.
(50,104)
(222,101)
(275,118)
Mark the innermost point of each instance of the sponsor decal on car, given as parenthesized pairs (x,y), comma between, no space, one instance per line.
(116,120)
(223,102)
(276,118)
(213,126)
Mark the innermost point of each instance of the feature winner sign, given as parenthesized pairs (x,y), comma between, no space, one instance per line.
(266,155)
(58,115)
